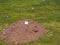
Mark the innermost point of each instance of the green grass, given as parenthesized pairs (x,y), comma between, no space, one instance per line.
(45,12)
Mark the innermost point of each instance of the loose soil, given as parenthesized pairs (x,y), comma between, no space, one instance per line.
(19,32)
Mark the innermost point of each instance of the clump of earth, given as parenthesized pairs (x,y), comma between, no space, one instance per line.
(22,31)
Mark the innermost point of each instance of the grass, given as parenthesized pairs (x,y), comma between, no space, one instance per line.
(46,12)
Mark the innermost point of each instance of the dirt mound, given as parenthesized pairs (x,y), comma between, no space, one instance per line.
(22,31)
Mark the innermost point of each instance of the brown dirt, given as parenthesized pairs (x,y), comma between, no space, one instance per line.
(19,32)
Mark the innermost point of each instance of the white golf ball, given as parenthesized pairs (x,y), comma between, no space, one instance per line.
(26,22)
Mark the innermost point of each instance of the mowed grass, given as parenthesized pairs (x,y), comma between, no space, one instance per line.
(46,12)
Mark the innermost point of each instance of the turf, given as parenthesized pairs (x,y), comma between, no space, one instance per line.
(46,12)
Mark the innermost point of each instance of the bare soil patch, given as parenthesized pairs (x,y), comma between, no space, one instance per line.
(24,30)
